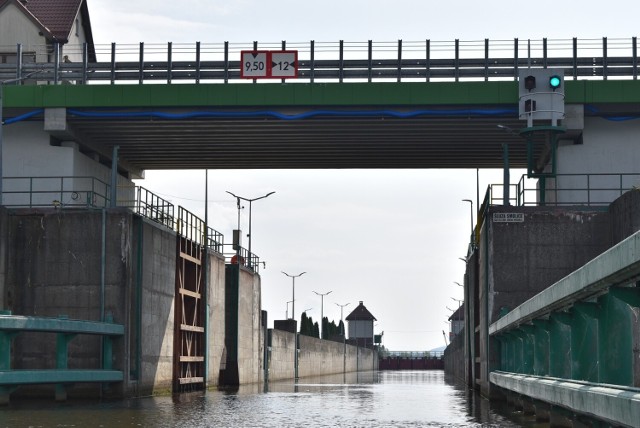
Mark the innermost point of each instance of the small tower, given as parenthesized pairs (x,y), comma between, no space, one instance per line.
(360,328)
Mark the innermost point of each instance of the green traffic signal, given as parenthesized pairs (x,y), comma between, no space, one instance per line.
(554,82)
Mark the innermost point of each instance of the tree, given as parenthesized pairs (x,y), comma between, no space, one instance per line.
(316,330)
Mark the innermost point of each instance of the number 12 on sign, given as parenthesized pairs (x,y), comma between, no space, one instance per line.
(269,64)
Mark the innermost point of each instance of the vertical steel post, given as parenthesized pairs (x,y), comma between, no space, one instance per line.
(114,177)
(56,63)
(428,59)
(19,61)
(341,60)
(515,59)
(506,178)
(399,78)
(369,61)
(486,60)
(604,58)
(456,63)
(575,58)
(634,54)
(85,62)
(284,47)
(312,71)
(169,62)
(198,64)
(226,62)
(113,63)
(141,64)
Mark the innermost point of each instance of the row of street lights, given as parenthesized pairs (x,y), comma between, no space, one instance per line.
(292,276)
(293,301)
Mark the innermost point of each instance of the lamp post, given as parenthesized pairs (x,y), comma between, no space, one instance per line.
(286,314)
(344,339)
(238,198)
(473,237)
(322,311)
(457,283)
(2,83)
(458,311)
(341,316)
(293,298)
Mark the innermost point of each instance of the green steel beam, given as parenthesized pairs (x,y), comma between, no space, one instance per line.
(306,94)
(619,405)
(23,377)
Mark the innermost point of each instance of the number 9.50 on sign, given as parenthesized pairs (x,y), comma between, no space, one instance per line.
(269,64)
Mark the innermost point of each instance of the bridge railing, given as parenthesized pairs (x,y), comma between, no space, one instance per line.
(400,60)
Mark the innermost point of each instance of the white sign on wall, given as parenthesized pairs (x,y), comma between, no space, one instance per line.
(508,217)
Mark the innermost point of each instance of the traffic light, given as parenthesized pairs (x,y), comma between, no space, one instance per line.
(541,95)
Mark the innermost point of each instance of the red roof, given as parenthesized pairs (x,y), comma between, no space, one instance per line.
(360,313)
(55,17)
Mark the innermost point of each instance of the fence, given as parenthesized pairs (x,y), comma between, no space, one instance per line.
(598,189)
(90,192)
(424,60)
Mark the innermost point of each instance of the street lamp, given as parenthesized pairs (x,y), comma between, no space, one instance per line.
(344,339)
(473,238)
(322,311)
(341,317)
(238,198)
(286,314)
(2,83)
(457,283)
(293,299)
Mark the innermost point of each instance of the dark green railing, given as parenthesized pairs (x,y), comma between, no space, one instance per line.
(62,376)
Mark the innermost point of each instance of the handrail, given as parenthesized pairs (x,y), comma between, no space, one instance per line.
(54,191)
(592,189)
(335,61)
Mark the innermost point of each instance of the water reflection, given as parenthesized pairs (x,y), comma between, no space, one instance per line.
(374,399)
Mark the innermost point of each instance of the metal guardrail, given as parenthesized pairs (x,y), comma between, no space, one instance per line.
(244,258)
(597,189)
(57,192)
(91,192)
(329,61)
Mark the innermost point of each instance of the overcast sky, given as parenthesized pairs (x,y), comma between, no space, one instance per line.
(391,238)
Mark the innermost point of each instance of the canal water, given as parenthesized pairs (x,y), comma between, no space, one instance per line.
(375,399)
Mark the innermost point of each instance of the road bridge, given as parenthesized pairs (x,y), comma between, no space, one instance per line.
(435,109)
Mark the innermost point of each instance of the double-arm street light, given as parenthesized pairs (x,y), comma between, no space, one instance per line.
(293,298)
(238,198)
(322,311)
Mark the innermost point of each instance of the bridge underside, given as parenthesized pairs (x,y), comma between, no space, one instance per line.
(287,126)
(271,143)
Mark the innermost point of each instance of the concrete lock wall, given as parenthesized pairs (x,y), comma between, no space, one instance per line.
(52,261)
(282,355)
(156,249)
(519,259)
(216,328)
(319,357)
(516,260)
(54,268)
(250,339)
(316,357)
